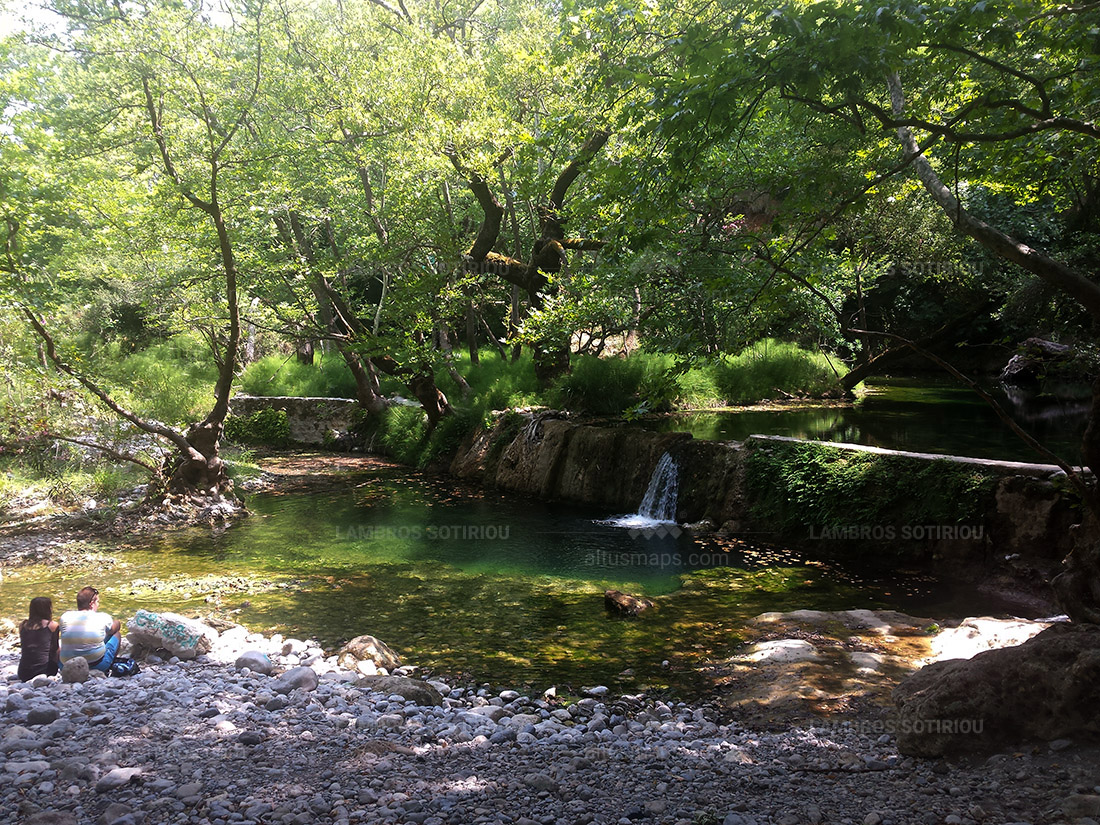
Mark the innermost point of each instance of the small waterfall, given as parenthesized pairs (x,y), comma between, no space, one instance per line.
(658,507)
(659,503)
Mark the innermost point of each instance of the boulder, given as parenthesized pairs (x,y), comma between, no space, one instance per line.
(1045,689)
(367,649)
(1030,364)
(256,661)
(297,677)
(413,690)
(178,635)
(624,604)
(75,670)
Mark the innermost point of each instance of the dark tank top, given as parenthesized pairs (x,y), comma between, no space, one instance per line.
(39,652)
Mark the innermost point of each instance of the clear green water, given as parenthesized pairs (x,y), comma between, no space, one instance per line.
(905,414)
(495,589)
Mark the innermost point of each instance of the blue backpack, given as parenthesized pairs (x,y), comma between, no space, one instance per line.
(123,666)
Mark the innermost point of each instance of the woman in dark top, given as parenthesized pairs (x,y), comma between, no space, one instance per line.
(38,638)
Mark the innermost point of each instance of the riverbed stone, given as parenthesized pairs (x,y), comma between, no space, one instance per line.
(256,661)
(367,648)
(301,677)
(75,670)
(413,690)
(781,651)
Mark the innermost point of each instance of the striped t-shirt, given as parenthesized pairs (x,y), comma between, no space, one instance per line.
(84,633)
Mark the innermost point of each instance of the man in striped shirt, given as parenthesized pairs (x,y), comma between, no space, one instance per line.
(87,632)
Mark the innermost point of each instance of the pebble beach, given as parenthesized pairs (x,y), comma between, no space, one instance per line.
(211,741)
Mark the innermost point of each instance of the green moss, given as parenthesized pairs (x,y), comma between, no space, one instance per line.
(796,487)
(269,428)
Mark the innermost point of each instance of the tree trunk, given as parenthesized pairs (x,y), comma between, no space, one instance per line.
(303,353)
(471,333)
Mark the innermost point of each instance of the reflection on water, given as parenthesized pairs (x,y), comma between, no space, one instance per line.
(503,589)
(899,414)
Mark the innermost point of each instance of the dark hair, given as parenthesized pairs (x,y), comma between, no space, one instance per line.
(85,597)
(41,609)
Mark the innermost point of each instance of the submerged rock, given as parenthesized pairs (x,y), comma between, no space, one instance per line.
(624,604)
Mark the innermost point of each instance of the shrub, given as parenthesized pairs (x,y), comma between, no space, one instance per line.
(270,428)
(276,375)
(770,368)
(610,386)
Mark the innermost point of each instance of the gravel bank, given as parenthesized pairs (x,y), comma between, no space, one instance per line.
(205,743)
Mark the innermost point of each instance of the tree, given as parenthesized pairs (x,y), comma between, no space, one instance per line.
(147,107)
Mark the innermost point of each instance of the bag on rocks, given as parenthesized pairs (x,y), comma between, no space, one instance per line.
(123,666)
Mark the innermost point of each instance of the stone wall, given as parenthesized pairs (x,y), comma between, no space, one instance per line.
(310,419)
(1023,531)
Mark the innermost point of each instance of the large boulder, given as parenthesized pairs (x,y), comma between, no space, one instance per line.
(367,649)
(175,634)
(1047,688)
(413,690)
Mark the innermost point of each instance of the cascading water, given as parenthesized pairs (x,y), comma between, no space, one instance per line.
(659,503)
(658,506)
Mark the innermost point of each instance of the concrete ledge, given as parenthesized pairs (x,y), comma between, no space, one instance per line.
(1014,467)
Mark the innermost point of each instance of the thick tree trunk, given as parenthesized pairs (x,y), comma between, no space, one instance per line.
(548,255)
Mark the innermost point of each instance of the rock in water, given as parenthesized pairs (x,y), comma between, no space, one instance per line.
(75,670)
(409,689)
(1047,688)
(180,636)
(368,648)
(624,604)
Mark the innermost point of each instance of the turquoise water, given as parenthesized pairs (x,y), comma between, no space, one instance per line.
(483,586)
(904,414)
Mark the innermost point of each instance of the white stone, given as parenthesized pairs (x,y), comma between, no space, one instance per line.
(781,651)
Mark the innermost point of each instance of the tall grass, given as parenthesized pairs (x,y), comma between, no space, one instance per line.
(646,382)
(281,375)
(171,381)
(771,369)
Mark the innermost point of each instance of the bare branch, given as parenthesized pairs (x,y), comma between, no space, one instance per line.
(109,451)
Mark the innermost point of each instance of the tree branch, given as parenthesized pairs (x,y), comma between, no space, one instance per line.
(1000,243)
(115,454)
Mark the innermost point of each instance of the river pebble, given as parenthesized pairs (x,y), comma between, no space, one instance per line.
(215,741)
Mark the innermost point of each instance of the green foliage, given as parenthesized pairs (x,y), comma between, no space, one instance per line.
(608,386)
(644,382)
(276,375)
(269,428)
(794,487)
(240,463)
(773,368)
(169,381)
(403,434)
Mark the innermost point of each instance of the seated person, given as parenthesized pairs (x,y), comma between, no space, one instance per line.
(38,641)
(87,632)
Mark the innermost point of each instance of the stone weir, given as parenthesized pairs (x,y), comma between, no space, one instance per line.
(961,513)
